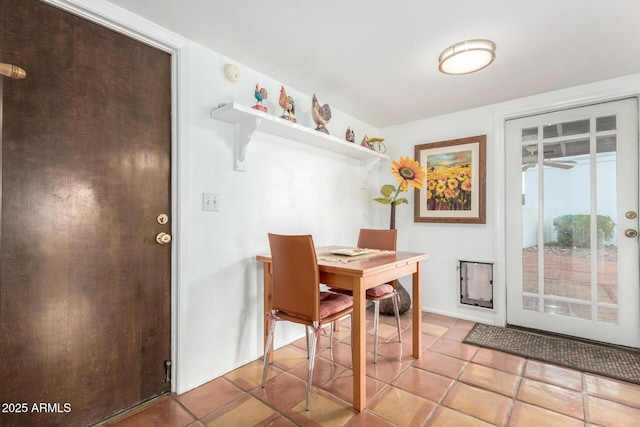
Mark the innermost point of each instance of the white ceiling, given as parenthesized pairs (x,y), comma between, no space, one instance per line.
(377,59)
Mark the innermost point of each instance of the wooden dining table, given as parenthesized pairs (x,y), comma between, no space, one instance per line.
(358,276)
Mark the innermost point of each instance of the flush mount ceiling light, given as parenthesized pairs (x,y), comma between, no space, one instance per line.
(467,56)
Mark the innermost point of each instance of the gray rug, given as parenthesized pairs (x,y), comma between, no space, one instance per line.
(615,362)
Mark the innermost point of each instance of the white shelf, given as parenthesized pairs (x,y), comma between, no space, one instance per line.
(247,120)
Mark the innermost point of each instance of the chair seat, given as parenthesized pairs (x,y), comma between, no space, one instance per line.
(378,292)
(330,303)
(381,290)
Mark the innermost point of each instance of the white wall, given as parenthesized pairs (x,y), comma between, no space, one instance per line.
(287,188)
(447,243)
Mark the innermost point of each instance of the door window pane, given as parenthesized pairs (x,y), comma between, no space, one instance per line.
(605,123)
(567,308)
(530,264)
(530,303)
(607,238)
(606,144)
(529,134)
(555,130)
(608,315)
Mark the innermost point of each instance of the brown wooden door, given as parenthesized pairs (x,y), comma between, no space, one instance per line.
(86,156)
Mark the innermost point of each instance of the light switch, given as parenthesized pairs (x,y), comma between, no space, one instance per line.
(210,202)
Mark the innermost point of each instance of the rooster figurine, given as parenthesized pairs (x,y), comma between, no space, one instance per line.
(350,135)
(288,105)
(260,94)
(321,114)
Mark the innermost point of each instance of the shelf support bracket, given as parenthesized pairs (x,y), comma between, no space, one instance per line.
(243,132)
(367,167)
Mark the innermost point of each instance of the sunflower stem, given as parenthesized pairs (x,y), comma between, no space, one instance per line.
(392,217)
(395,196)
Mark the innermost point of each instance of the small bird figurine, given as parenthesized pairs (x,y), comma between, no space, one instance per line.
(288,105)
(321,114)
(260,94)
(350,135)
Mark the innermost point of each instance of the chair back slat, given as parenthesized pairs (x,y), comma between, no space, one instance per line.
(378,239)
(296,278)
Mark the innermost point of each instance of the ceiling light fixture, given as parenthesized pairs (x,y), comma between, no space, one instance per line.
(467,56)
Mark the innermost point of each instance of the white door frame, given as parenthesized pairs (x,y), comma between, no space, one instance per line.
(579,96)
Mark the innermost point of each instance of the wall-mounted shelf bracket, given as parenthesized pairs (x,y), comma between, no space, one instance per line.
(243,132)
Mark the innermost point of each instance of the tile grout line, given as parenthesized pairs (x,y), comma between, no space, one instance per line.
(585,399)
(514,398)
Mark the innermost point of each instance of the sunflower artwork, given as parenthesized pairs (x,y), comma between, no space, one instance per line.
(449,181)
(455,181)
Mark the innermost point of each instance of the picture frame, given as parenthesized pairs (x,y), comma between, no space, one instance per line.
(455,183)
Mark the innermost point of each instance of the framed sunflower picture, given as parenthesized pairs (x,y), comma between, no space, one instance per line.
(454,187)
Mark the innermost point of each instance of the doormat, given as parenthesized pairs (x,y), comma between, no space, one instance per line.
(610,361)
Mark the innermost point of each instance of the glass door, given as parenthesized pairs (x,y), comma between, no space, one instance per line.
(572,203)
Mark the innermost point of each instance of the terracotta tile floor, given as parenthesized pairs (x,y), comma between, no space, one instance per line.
(452,384)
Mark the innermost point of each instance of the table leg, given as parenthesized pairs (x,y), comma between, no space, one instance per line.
(359,346)
(268,295)
(417,312)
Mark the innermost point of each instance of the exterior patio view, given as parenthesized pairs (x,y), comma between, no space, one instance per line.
(558,206)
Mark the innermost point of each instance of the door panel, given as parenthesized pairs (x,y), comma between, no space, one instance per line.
(86,154)
(572,176)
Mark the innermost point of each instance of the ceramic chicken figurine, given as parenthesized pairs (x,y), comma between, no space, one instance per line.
(321,114)
(288,105)
(350,135)
(260,94)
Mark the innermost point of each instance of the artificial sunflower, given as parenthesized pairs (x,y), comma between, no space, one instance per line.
(408,172)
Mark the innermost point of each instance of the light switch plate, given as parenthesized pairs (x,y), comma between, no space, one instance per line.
(210,202)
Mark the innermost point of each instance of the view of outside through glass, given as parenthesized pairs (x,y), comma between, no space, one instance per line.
(569,254)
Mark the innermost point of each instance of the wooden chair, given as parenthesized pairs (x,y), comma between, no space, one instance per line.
(297,296)
(383,240)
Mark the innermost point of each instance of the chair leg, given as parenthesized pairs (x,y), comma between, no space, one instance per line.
(267,350)
(397,312)
(376,319)
(331,336)
(312,359)
(306,334)
(331,340)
